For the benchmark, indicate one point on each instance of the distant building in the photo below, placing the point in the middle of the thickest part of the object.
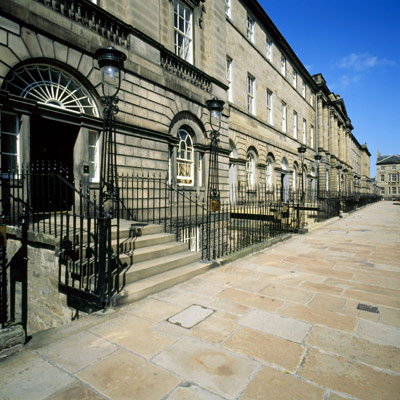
(388, 175)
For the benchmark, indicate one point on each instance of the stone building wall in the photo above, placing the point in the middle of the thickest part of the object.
(47, 308)
(253, 131)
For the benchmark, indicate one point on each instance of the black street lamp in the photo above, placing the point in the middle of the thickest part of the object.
(318, 158)
(345, 181)
(302, 149)
(215, 107)
(339, 167)
(111, 62)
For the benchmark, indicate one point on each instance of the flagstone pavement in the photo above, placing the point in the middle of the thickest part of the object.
(284, 324)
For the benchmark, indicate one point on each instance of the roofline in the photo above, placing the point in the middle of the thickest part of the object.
(263, 17)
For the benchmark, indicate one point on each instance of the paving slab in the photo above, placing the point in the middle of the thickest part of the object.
(287, 328)
(27, 376)
(134, 334)
(267, 348)
(350, 377)
(215, 369)
(76, 391)
(124, 375)
(68, 354)
(379, 333)
(354, 348)
(272, 384)
(192, 392)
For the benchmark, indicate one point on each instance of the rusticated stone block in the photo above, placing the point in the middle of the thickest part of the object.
(11, 340)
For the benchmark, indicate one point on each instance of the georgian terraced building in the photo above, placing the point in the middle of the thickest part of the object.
(180, 53)
(388, 175)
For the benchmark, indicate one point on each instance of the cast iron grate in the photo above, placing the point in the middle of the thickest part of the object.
(366, 307)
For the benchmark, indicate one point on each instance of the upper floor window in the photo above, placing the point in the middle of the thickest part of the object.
(393, 177)
(10, 126)
(269, 107)
(269, 50)
(251, 83)
(228, 8)
(303, 89)
(295, 124)
(382, 190)
(312, 136)
(183, 31)
(294, 78)
(283, 65)
(393, 166)
(312, 98)
(229, 65)
(304, 131)
(250, 28)
(94, 156)
(185, 159)
(382, 167)
(284, 114)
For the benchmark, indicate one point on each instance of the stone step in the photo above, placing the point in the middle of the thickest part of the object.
(125, 231)
(152, 267)
(146, 241)
(126, 228)
(152, 252)
(145, 287)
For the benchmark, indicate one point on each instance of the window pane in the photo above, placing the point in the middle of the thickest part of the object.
(9, 123)
(8, 162)
(9, 143)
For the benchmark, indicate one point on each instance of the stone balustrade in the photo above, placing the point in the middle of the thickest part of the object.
(93, 17)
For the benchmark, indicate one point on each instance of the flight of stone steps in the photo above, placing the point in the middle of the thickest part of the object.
(155, 261)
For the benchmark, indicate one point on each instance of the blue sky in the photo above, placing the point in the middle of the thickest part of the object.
(355, 45)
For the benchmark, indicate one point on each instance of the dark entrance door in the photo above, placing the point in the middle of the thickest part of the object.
(52, 146)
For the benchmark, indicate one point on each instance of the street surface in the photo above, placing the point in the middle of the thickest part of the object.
(282, 323)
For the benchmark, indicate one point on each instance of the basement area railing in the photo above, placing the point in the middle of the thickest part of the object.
(90, 270)
(90, 267)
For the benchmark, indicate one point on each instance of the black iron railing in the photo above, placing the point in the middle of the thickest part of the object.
(89, 242)
(90, 268)
(14, 278)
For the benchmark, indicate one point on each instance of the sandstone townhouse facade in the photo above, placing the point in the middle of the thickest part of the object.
(388, 175)
(180, 53)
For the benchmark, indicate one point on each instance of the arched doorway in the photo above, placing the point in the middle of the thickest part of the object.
(50, 131)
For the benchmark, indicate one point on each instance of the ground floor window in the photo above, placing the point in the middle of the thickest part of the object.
(10, 127)
(94, 156)
(251, 169)
(185, 159)
(192, 236)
